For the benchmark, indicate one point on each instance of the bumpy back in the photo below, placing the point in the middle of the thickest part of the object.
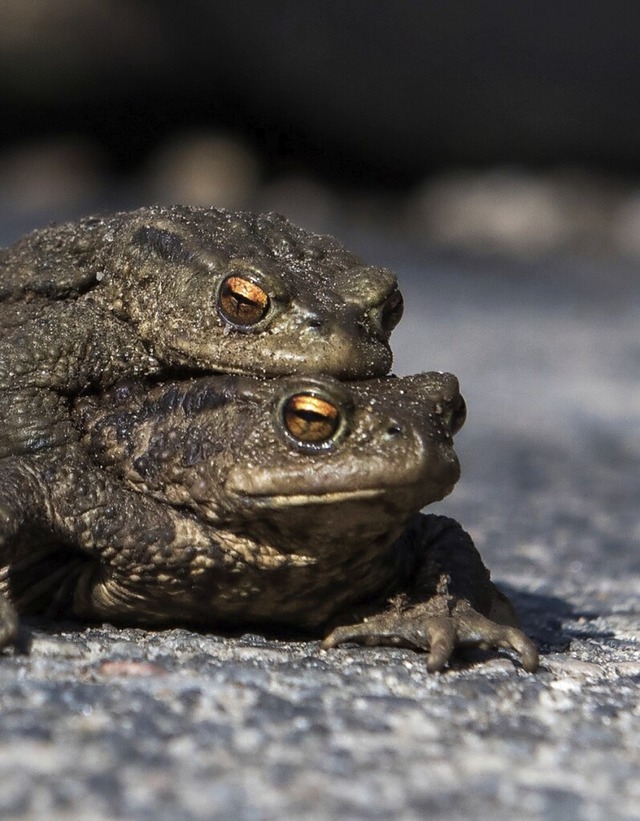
(54, 262)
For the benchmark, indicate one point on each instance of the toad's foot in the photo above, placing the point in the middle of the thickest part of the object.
(438, 626)
(8, 623)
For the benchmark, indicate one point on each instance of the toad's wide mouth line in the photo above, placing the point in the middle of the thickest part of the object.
(283, 500)
(300, 499)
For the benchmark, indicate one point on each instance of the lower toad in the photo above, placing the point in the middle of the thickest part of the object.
(287, 502)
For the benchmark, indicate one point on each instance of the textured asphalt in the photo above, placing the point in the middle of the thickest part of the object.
(99, 722)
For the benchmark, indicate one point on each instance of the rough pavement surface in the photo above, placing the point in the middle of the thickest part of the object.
(99, 722)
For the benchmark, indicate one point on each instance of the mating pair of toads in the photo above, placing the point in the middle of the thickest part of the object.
(198, 428)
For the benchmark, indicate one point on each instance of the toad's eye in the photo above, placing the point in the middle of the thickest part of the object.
(310, 419)
(242, 302)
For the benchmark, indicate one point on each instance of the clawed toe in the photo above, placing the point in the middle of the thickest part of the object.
(342, 635)
(516, 640)
(477, 630)
(441, 647)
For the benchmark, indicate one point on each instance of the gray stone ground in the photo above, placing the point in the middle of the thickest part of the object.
(98, 722)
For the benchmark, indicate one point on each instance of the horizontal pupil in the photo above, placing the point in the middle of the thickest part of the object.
(241, 299)
(312, 417)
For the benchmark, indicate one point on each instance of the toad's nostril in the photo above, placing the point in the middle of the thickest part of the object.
(392, 311)
(385, 316)
(459, 416)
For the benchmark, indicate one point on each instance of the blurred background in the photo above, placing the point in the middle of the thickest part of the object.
(502, 127)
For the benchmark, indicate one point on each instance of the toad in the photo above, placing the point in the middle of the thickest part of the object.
(290, 502)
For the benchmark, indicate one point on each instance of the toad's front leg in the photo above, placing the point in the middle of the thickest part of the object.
(448, 603)
(8, 623)
(73, 540)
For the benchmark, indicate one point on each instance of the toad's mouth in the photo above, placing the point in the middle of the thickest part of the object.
(350, 360)
(302, 499)
(289, 500)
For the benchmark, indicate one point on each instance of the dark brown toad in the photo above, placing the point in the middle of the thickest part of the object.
(290, 502)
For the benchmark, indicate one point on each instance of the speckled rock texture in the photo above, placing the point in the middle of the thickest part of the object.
(99, 722)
